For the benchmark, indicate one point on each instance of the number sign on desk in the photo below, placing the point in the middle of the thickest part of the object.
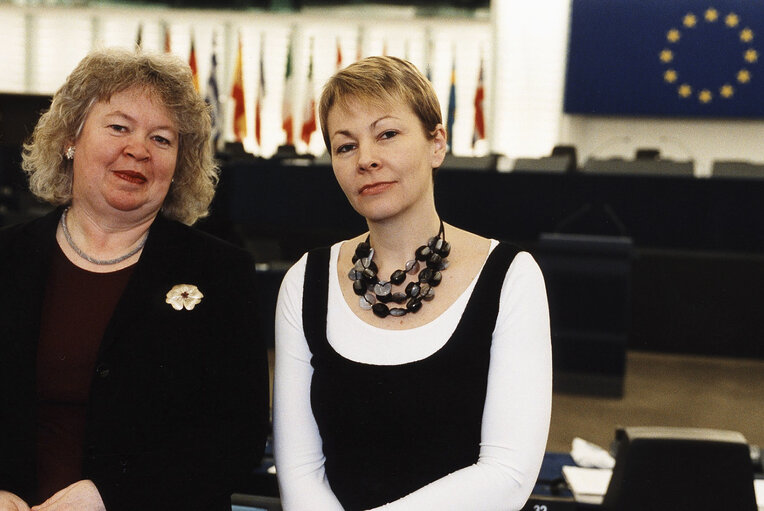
(549, 504)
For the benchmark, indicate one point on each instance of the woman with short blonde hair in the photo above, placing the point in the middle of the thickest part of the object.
(413, 362)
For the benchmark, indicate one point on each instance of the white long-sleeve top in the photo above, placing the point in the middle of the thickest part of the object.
(515, 416)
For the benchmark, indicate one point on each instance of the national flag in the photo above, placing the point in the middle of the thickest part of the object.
(213, 97)
(139, 36)
(309, 115)
(166, 32)
(260, 93)
(428, 64)
(287, 118)
(192, 64)
(479, 133)
(657, 58)
(451, 105)
(237, 95)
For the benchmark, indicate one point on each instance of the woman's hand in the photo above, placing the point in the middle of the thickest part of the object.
(80, 496)
(11, 502)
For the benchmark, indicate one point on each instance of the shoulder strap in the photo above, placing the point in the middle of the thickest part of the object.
(315, 294)
(486, 296)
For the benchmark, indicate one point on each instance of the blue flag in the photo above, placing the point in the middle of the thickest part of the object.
(451, 114)
(213, 98)
(666, 58)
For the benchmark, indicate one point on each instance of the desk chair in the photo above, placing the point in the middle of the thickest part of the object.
(640, 167)
(484, 163)
(558, 164)
(737, 169)
(647, 153)
(588, 282)
(562, 159)
(680, 469)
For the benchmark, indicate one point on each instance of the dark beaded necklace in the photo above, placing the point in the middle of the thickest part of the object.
(375, 294)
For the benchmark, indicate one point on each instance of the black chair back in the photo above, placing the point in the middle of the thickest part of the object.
(680, 469)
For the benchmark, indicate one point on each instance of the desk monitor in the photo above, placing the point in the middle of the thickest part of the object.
(680, 469)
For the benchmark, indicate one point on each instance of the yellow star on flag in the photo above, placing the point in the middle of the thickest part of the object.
(685, 90)
(673, 35)
(705, 96)
(751, 55)
(731, 20)
(743, 76)
(670, 76)
(746, 35)
(667, 56)
(690, 20)
(711, 15)
(727, 91)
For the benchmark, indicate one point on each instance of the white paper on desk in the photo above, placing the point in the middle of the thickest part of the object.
(587, 484)
(758, 487)
(587, 454)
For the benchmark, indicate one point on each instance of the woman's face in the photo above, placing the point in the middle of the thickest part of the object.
(125, 156)
(382, 157)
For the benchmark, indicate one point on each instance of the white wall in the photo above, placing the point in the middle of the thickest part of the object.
(531, 46)
(41, 45)
(529, 58)
(524, 42)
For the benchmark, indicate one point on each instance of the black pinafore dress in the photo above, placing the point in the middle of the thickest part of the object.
(388, 430)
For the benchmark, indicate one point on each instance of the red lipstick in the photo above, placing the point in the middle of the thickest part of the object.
(131, 176)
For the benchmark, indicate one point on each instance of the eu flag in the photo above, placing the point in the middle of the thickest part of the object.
(666, 58)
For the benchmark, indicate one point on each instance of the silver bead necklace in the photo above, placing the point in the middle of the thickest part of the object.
(100, 262)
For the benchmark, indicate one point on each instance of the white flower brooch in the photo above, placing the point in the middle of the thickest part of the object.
(184, 296)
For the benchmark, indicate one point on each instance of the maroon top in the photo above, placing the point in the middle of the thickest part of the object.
(77, 307)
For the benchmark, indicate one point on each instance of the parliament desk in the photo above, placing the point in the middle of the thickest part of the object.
(682, 213)
(693, 274)
(697, 273)
(549, 494)
(697, 276)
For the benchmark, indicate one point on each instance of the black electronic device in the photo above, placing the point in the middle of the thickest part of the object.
(681, 469)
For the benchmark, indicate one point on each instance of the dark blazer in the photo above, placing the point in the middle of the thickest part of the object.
(178, 410)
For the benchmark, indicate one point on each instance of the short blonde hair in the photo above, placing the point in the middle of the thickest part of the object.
(381, 80)
(97, 77)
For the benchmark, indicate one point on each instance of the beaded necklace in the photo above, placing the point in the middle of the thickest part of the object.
(375, 294)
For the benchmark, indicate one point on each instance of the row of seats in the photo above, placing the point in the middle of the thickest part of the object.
(647, 161)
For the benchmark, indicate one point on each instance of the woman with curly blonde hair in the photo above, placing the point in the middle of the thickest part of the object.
(129, 363)
(97, 78)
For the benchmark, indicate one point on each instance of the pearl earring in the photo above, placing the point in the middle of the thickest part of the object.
(70, 152)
